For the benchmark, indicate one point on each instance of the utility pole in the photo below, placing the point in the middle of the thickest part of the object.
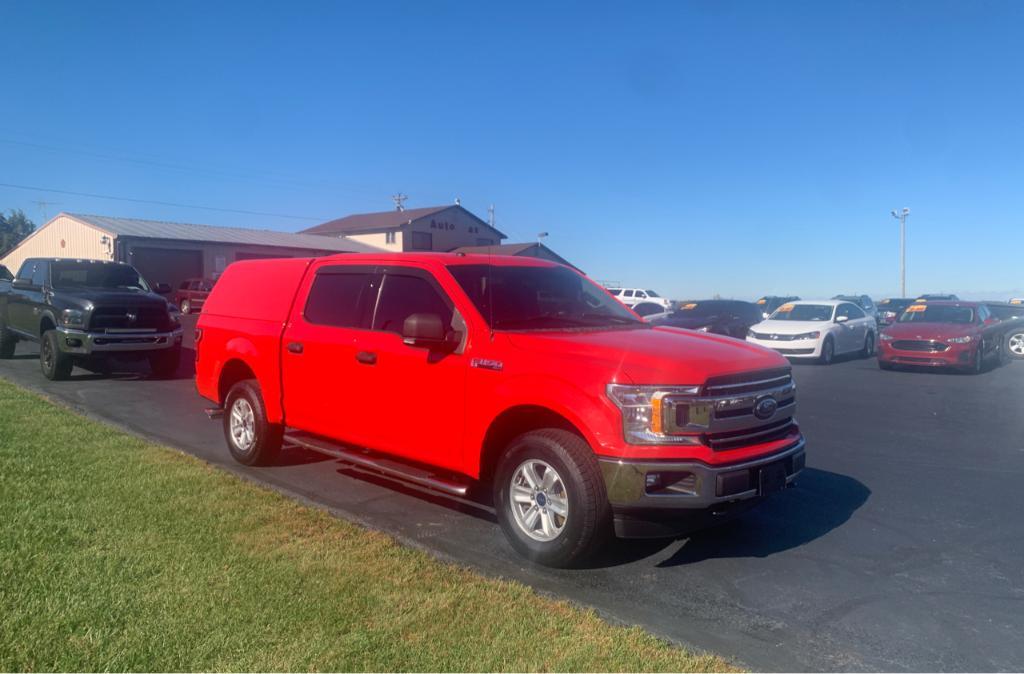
(490, 215)
(541, 236)
(398, 199)
(43, 207)
(902, 217)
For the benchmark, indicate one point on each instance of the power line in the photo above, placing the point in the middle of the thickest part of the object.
(163, 203)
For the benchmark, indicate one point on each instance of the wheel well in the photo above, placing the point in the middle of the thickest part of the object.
(233, 372)
(46, 324)
(512, 423)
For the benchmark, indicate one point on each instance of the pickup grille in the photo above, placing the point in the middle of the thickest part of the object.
(926, 345)
(750, 436)
(746, 382)
(121, 318)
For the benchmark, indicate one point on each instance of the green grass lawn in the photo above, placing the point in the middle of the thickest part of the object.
(117, 554)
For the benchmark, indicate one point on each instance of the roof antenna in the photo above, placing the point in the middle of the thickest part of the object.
(398, 199)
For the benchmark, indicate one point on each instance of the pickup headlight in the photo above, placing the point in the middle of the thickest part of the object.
(646, 411)
(72, 318)
(960, 340)
(175, 315)
(808, 335)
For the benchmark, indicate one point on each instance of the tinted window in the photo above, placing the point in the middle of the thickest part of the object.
(403, 296)
(70, 275)
(336, 299)
(540, 298)
(422, 241)
(651, 293)
(39, 274)
(851, 311)
(627, 293)
(5, 274)
(1006, 313)
(25, 273)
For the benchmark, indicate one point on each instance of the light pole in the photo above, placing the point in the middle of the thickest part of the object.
(902, 217)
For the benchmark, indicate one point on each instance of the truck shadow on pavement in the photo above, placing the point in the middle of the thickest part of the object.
(821, 502)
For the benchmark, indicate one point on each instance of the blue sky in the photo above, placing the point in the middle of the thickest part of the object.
(699, 147)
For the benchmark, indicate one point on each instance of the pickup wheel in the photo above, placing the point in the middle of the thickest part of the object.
(550, 497)
(252, 439)
(1014, 345)
(164, 364)
(55, 364)
(7, 342)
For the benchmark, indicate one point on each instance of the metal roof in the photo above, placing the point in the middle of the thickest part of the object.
(178, 231)
(375, 222)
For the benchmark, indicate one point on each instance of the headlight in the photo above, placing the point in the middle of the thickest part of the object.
(648, 411)
(750, 333)
(174, 313)
(885, 338)
(808, 335)
(960, 340)
(72, 318)
(704, 329)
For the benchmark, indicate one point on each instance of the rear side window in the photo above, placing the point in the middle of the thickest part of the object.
(403, 296)
(39, 274)
(336, 299)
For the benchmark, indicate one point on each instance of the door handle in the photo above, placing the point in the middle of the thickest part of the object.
(294, 347)
(367, 358)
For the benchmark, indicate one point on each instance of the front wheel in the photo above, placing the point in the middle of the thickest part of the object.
(828, 352)
(550, 498)
(1015, 344)
(252, 440)
(55, 364)
(869, 345)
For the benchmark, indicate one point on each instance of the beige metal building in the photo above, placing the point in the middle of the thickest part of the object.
(168, 252)
(435, 228)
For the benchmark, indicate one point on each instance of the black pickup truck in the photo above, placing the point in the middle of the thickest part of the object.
(88, 309)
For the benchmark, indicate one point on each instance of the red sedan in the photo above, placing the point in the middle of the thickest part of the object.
(942, 334)
(192, 293)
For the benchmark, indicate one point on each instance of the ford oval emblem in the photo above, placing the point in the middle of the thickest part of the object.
(765, 407)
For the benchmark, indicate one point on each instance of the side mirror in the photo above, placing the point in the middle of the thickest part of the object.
(162, 288)
(22, 284)
(425, 330)
(842, 319)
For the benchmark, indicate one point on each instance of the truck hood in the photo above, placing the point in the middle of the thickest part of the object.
(791, 327)
(661, 355)
(99, 297)
(936, 331)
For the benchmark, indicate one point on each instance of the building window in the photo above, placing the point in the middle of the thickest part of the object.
(485, 242)
(390, 237)
(422, 241)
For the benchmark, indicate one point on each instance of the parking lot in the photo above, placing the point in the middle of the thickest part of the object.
(902, 546)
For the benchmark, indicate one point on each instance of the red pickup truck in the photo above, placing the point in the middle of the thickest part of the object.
(456, 372)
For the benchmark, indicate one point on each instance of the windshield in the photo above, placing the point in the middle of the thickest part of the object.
(895, 305)
(803, 312)
(4, 274)
(651, 293)
(1004, 313)
(700, 309)
(540, 298)
(71, 275)
(932, 313)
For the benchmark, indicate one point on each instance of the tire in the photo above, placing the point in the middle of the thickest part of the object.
(544, 536)
(252, 440)
(7, 343)
(55, 364)
(186, 307)
(1014, 344)
(978, 365)
(885, 365)
(869, 345)
(828, 352)
(164, 364)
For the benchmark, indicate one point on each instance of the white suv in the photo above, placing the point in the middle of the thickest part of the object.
(634, 296)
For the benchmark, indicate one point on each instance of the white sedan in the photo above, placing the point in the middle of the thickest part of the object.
(819, 329)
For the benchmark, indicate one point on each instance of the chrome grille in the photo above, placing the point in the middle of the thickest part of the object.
(926, 345)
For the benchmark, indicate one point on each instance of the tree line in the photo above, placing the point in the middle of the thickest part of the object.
(14, 226)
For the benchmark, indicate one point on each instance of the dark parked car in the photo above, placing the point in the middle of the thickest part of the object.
(925, 298)
(5, 274)
(192, 293)
(862, 301)
(890, 309)
(1012, 317)
(732, 318)
(87, 309)
(769, 303)
(648, 309)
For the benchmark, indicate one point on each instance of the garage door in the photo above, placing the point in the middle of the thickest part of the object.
(166, 265)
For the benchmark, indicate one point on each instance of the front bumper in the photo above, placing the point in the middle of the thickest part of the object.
(957, 355)
(81, 343)
(700, 493)
(797, 348)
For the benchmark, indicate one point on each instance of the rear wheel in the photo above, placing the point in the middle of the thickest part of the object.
(7, 342)
(252, 440)
(550, 498)
(55, 364)
(1015, 344)
(828, 352)
(869, 345)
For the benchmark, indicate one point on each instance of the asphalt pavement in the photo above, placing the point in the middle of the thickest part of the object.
(901, 548)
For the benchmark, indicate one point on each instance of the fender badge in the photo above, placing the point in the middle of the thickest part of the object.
(486, 364)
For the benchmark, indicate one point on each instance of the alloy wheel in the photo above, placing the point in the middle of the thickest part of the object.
(1016, 344)
(539, 501)
(243, 425)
